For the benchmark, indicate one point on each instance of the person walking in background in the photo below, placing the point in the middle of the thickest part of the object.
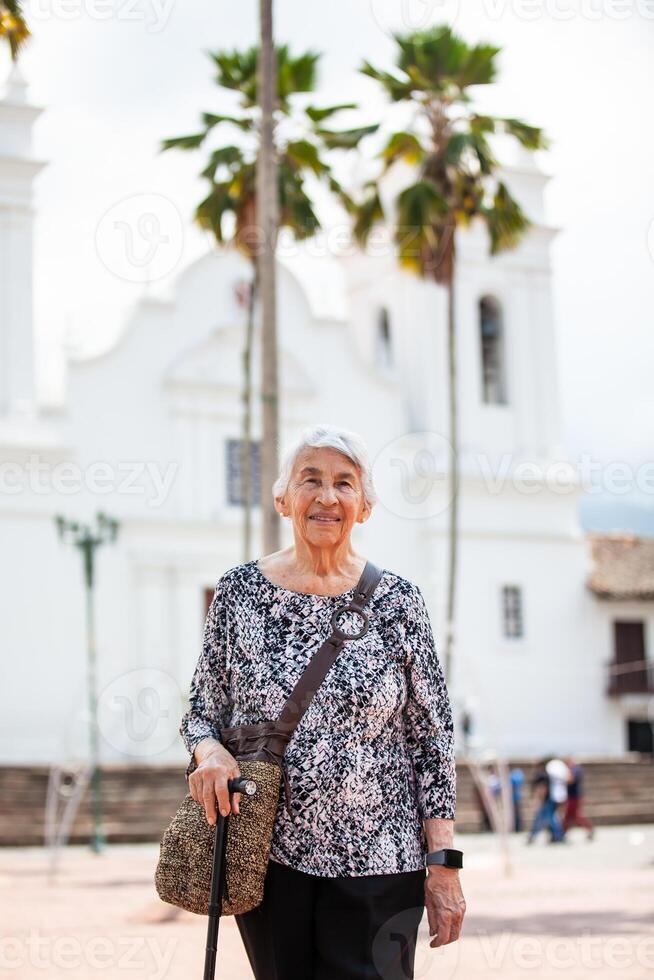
(574, 815)
(546, 813)
(517, 778)
(559, 776)
(494, 784)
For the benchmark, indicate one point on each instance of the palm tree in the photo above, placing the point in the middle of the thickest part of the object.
(455, 182)
(13, 26)
(231, 173)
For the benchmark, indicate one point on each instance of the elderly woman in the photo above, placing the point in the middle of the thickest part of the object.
(371, 762)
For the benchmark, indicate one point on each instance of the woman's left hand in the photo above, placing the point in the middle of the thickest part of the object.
(445, 905)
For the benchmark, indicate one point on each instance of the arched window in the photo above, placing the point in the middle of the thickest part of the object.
(384, 343)
(492, 351)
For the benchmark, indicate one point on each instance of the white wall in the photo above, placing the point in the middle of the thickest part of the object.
(167, 396)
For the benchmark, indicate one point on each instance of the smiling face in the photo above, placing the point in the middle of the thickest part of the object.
(324, 498)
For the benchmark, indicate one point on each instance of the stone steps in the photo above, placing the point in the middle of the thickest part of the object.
(138, 801)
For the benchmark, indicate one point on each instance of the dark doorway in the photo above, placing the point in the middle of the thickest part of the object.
(639, 736)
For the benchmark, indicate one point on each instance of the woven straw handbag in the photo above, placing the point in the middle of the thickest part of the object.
(184, 868)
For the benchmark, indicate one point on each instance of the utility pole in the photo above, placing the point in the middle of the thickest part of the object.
(268, 219)
(88, 540)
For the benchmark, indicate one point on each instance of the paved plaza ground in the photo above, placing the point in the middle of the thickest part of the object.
(581, 909)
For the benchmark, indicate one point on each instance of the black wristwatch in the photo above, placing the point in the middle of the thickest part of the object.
(448, 857)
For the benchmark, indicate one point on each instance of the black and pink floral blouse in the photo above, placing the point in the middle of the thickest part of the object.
(374, 752)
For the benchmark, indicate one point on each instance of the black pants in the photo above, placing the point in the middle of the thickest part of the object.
(315, 928)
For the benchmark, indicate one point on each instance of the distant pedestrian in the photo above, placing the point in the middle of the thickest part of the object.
(574, 815)
(559, 775)
(546, 813)
(517, 778)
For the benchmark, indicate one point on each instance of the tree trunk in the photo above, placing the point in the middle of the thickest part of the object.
(246, 438)
(453, 479)
(267, 212)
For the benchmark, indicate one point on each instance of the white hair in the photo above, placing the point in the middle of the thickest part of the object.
(331, 437)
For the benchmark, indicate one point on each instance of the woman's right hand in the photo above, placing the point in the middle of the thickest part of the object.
(209, 781)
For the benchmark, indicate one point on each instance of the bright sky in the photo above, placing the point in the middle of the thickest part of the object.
(117, 76)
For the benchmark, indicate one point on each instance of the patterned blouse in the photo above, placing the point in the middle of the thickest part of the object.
(373, 753)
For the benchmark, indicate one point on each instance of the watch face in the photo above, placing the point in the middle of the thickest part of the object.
(448, 857)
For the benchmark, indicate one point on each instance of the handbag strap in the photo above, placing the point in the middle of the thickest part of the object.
(316, 670)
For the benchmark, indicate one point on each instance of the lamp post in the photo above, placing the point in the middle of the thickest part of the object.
(88, 540)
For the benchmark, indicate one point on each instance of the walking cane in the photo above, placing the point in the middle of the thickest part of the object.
(238, 785)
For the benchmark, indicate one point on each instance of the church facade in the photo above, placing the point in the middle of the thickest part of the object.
(148, 433)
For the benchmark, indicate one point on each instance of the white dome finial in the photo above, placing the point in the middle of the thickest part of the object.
(16, 85)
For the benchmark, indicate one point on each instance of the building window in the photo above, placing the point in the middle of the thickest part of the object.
(629, 672)
(492, 351)
(235, 486)
(384, 343)
(512, 611)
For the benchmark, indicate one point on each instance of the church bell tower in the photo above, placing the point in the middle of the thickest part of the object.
(18, 170)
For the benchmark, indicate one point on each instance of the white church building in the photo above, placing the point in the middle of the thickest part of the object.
(148, 433)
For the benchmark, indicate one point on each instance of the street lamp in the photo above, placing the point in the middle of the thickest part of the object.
(88, 540)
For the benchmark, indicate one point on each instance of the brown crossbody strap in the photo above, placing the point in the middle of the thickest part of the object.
(316, 670)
